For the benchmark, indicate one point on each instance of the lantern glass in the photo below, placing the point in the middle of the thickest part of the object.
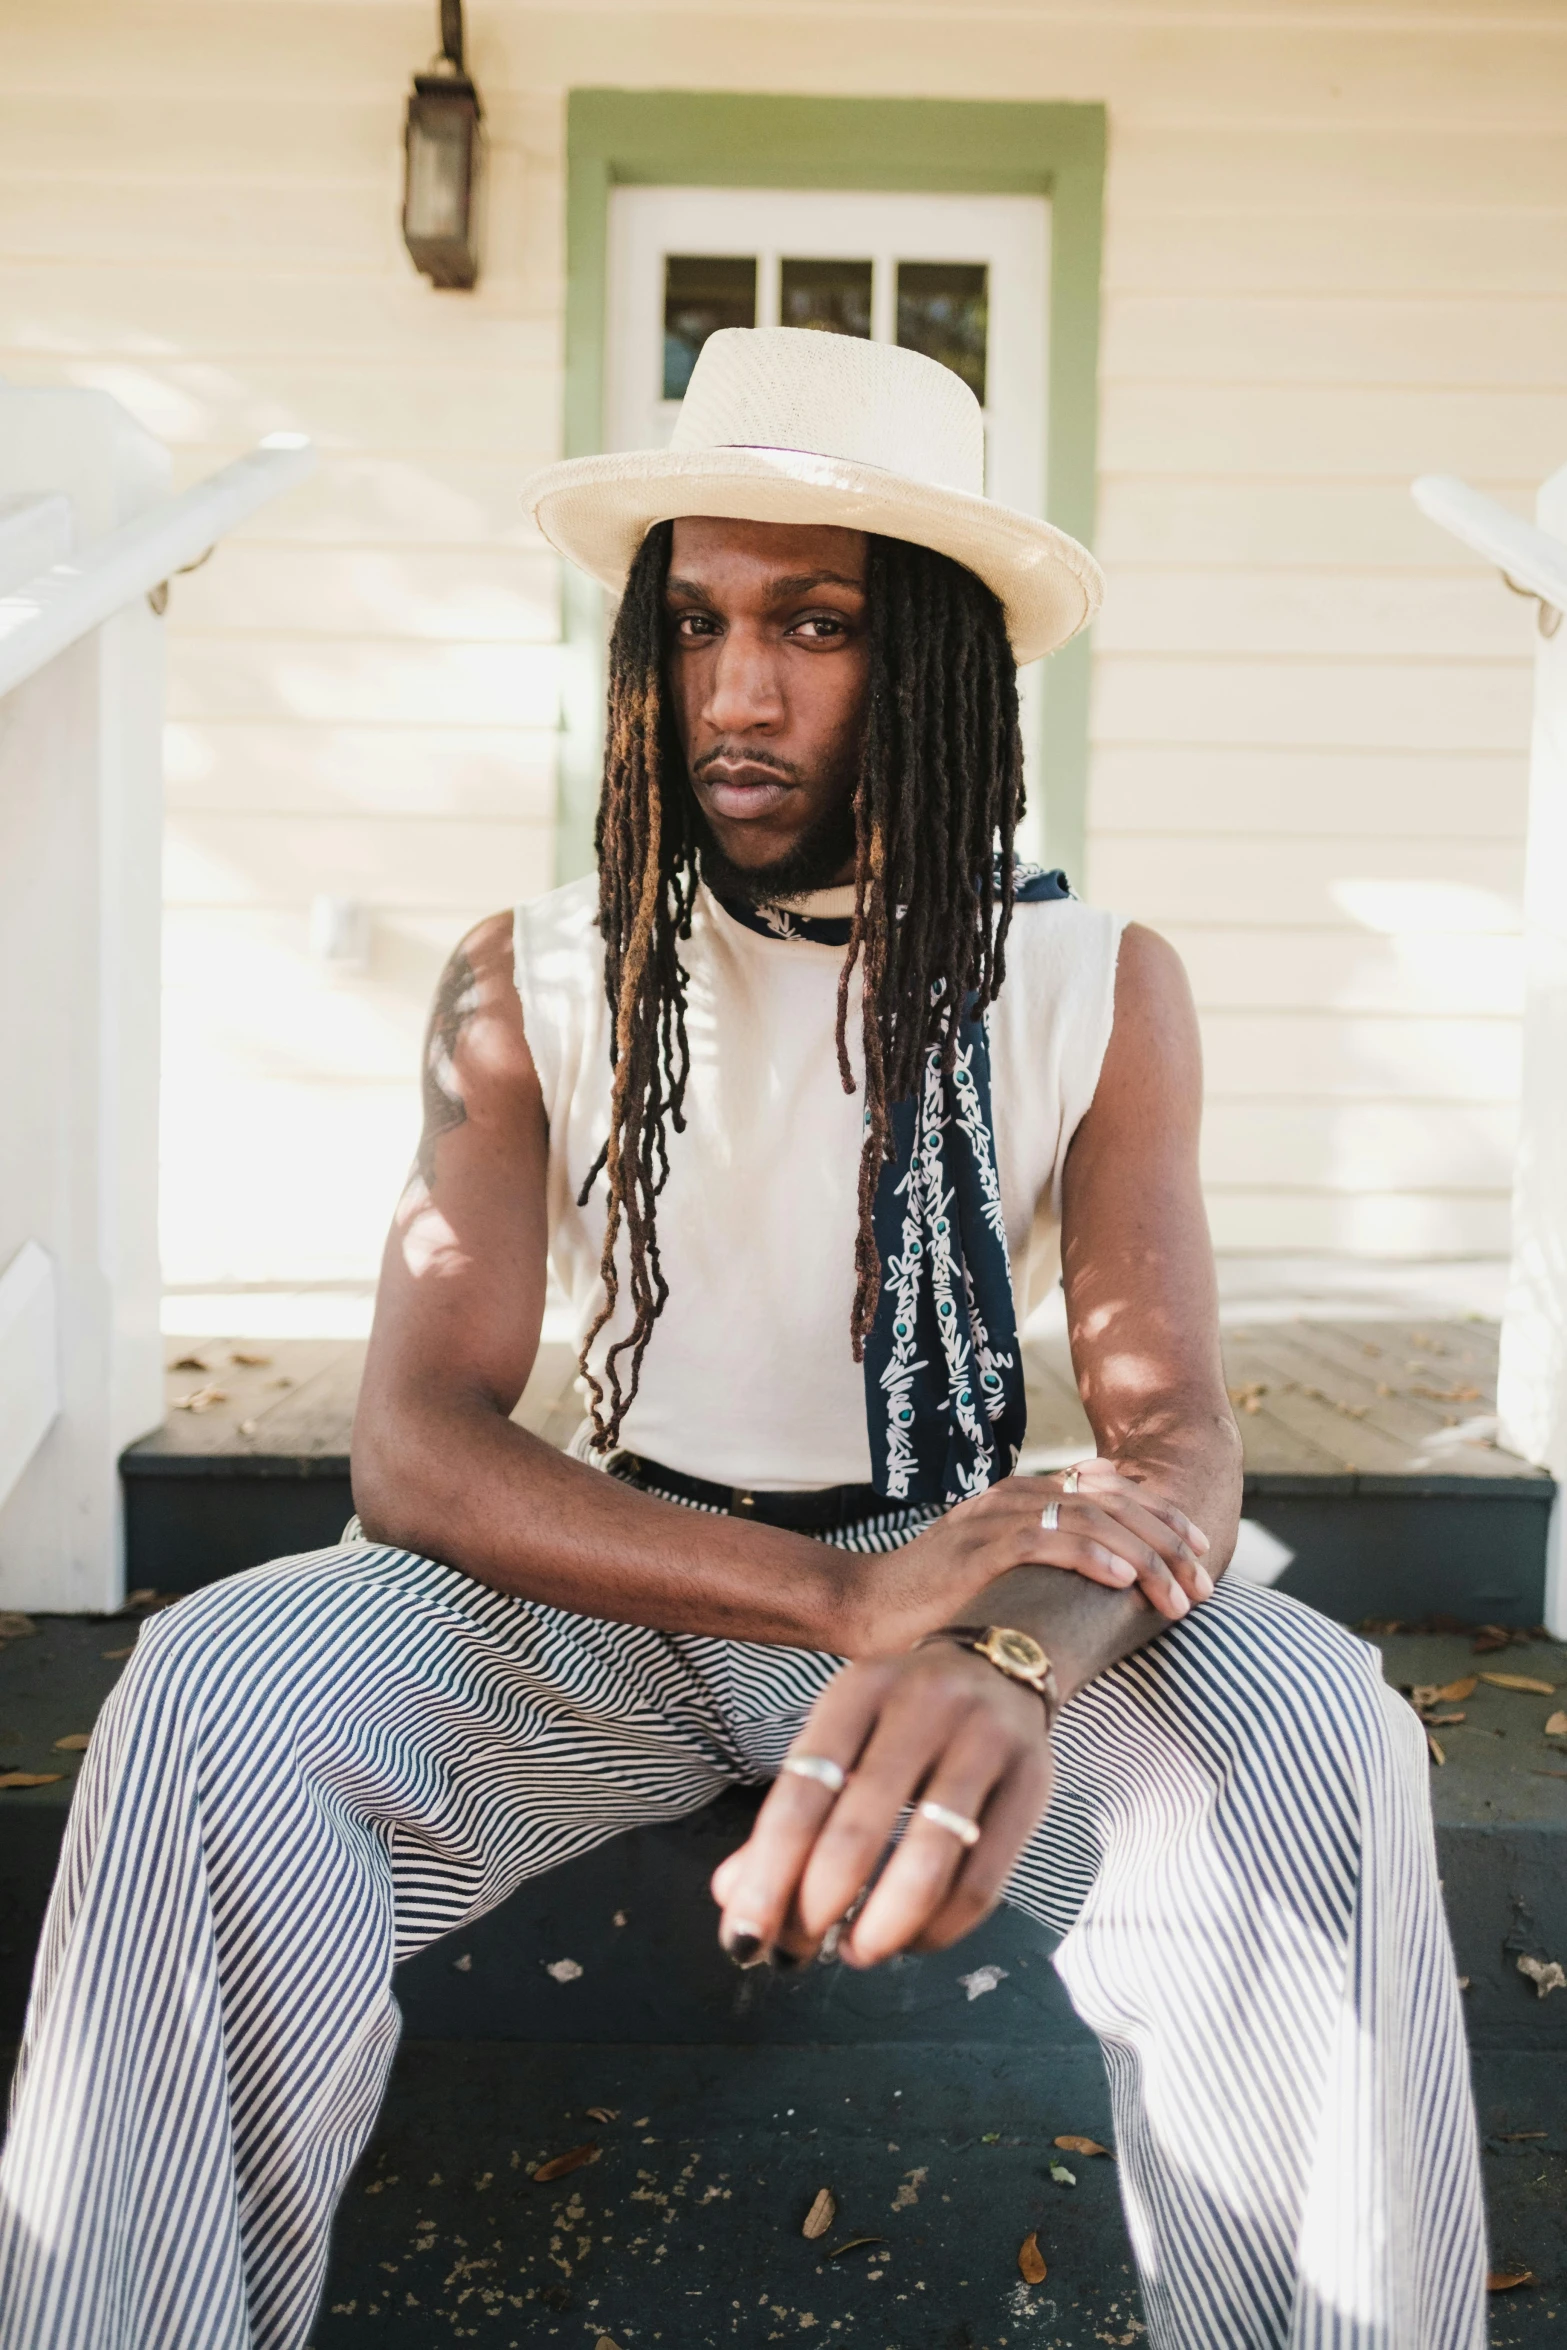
(442, 172)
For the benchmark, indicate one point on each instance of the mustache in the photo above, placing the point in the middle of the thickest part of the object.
(740, 756)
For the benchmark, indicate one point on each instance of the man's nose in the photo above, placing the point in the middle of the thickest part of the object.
(744, 690)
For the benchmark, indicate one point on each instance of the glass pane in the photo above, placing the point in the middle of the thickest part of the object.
(702, 292)
(943, 310)
(832, 295)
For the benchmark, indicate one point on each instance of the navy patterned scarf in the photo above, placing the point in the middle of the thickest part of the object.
(943, 1367)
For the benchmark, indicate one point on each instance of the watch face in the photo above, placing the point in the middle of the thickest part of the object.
(1020, 1651)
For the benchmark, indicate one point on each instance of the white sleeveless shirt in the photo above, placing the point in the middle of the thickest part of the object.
(749, 1378)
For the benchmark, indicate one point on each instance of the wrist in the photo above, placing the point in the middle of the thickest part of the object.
(1014, 1654)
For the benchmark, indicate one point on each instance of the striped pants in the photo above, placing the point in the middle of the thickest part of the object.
(308, 1772)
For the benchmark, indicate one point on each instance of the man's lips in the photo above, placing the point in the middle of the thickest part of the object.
(742, 790)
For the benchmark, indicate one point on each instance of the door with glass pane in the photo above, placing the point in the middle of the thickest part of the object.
(962, 278)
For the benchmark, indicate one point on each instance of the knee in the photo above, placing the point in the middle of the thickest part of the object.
(1314, 1708)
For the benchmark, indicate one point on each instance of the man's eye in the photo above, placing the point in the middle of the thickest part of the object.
(821, 625)
(693, 624)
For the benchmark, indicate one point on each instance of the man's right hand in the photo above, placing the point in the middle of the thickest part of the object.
(1112, 1528)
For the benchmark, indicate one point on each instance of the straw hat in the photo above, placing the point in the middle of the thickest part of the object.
(782, 424)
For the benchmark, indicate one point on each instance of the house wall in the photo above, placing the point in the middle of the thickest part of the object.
(1335, 259)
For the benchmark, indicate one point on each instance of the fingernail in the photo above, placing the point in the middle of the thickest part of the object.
(742, 1943)
(1204, 1582)
(786, 1961)
(1179, 1602)
(1200, 1539)
(1124, 1571)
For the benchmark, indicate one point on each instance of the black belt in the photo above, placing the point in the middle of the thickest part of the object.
(816, 1511)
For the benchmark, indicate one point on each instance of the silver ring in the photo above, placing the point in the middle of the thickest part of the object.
(819, 1767)
(966, 1831)
(1050, 1516)
(1071, 1479)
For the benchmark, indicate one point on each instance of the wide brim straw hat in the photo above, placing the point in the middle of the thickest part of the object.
(783, 424)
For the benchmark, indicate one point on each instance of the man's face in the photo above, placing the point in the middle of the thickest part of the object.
(767, 663)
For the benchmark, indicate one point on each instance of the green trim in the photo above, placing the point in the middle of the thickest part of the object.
(925, 145)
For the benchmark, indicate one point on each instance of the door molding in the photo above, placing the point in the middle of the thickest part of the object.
(921, 145)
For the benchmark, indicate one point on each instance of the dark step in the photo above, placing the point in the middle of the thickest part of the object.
(686, 2230)
(1500, 1803)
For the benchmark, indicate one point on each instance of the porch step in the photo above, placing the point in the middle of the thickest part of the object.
(686, 2228)
(635, 1916)
(1372, 1468)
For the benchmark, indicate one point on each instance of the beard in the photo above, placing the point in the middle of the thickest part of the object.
(814, 862)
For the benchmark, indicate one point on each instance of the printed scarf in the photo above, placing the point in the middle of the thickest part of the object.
(943, 1368)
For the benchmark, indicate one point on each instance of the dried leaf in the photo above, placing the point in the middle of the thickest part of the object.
(1081, 2146)
(16, 1627)
(1454, 1692)
(1510, 2137)
(1556, 1727)
(463, 1965)
(247, 1356)
(564, 1970)
(1488, 1637)
(1521, 1681)
(852, 2244)
(1437, 1756)
(29, 1778)
(603, 2113)
(76, 1743)
(1504, 2280)
(117, 1656)
(190, 1362)
(1545, 1974)
(1031, 2261)
(983, 1979)
(576, 2158)
(605, 2342)
(820, 2216)
(248, 1427)
(1447, 1721)
(1062, 2176)
(200, 1399)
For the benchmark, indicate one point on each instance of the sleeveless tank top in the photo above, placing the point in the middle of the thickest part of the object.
(749, 1378)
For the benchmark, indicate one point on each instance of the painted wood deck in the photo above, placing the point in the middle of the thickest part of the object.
(1356, 1400)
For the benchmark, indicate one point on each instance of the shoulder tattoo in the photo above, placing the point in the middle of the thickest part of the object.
(456, 1002)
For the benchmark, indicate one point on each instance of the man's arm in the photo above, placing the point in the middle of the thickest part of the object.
(942, 1723)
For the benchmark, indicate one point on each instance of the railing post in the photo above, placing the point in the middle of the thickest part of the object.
(1532, 1390)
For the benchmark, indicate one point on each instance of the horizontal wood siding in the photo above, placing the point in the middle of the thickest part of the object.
(1336, 257)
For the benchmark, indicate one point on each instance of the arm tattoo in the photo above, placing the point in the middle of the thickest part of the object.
(456, 1002)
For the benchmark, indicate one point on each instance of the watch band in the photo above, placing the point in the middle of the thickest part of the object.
(1016, 1654)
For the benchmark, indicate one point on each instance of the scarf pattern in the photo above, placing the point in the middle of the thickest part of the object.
(944, 1397)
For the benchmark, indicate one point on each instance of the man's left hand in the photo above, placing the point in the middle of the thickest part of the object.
(939, 1725)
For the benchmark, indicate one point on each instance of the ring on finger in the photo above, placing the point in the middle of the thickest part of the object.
(1071, 1480)
(967, 1831)
(819, 1767)
(1050, 1516)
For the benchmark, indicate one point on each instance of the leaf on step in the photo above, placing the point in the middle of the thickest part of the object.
(1447, 1721)
(1488, 1637)
(1530, 1688)
(29, 1778)
(1437, 1756)
(201, 1399)
(248, 1357)
(14, 1626)
(1545, 1974)
(1062, 2176)
(117, 1656)
(852, 2244)
(1556, 1727)
(1031, 2261)
(76, 1743)
(1071, 2145)
(564, 1970)
(820, 2216)
(605, 2342)
(575, 2158)
(1454, 1692)
(603, 2113)
(1504, 2280)
(191, 1362)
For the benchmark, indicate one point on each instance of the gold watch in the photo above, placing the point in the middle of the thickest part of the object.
(1017, 1654)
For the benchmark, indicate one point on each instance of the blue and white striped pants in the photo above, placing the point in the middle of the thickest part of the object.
(309, 1771)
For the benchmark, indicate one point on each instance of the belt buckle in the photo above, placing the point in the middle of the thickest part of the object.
(741, 1503)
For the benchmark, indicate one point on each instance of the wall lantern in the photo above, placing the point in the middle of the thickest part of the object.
(441, 170)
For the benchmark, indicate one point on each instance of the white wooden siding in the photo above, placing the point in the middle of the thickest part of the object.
(1335, 258)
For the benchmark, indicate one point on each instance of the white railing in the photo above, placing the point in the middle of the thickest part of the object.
(1527, 557)
(46, 614)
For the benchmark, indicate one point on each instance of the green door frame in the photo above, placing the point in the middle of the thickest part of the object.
(678, 138)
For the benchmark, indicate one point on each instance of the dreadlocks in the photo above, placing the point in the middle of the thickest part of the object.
(936, 805)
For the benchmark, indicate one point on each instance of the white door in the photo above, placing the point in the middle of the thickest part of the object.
(963, 278)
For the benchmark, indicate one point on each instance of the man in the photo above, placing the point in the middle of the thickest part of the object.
(800, 1096)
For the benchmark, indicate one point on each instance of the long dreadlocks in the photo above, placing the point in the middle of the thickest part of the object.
(936, 805)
